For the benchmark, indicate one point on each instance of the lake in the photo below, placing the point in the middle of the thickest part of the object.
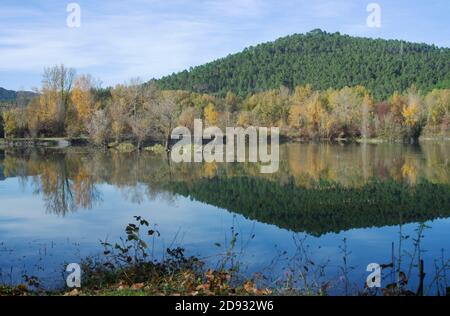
(329, 212)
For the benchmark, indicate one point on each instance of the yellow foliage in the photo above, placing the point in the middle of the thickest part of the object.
(314, 110)
(397, 106)
(302, 94)
(438, 105)
(14, 121)
(409, 170)
(295, 114)
(211, 114)
(411, 114)
(82, 102)
(244, 119)
(9, 122)
(210, 169)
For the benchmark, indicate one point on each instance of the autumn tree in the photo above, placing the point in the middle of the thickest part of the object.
(82, 105)
(367, 106)
(412, 114)
(34, 122)
(397, 104)
(98, 127)
(119, 110)
(187, 117)
(2, 125)
(298, 101)
(55, 96)
(14, 122)
(271, 107)
(145, 97)
(165, 114)
(314, 113)
(231, 106)
(211, 114)
(437, 105)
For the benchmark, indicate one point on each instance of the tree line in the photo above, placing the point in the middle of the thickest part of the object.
(68, 105)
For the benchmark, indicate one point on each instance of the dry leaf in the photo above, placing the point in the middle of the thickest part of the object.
(137, 286)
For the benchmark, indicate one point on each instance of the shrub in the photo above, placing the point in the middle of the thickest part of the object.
(156, 149)
(126, 147)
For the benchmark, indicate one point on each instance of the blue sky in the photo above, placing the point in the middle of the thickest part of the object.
(120, 40)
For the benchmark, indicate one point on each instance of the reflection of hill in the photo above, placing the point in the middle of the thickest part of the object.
(326, 208)
(412, 185)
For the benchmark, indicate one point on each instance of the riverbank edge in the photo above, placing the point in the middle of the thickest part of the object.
(63, 142)
(50, 142)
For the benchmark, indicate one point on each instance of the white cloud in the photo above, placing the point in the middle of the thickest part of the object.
(329, 9)
(237, 8)
(151, 38)
(143, 45)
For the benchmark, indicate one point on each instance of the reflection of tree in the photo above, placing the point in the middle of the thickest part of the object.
(86, 194)
(56, 188)
(60, 178)
(354, 165)
(68, 181)
(409, 170)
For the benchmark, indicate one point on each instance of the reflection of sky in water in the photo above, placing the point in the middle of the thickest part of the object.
(38, 242)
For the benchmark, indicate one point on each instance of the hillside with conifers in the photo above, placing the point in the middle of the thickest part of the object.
(323, 60)
(317, 86)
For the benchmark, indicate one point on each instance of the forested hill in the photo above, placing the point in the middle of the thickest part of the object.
(323, 60)
(7, 95)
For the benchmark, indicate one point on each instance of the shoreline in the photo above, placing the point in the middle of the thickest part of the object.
(65, 142)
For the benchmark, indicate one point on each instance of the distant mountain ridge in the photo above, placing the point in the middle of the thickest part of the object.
(7, 95)
(323, 60)
(12, 96)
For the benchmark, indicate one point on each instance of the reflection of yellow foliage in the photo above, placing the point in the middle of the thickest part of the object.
(310, 163)
(409, 170)
(82, 186)
(210, 169)
(10, 166)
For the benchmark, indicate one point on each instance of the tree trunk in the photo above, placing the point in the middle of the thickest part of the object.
(167, 142)
(139, 145)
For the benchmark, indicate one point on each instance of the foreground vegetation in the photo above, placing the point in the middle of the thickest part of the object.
(129, 268)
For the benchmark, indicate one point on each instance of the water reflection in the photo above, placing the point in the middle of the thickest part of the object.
(319, 189)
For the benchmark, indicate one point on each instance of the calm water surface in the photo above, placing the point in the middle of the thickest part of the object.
(367, 203)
